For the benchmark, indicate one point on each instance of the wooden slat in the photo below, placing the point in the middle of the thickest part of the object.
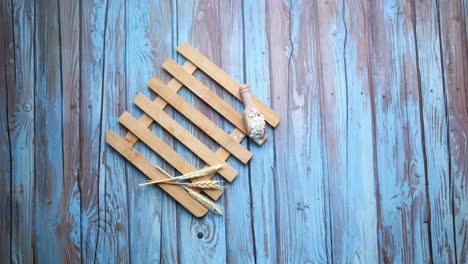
(113, 199)
(455, 186)
(54, 187)
(435, 127)
(175, 86)
(347, 147)
(257, 74)
(155, 82)
(237, 205)
(204, 93)
(222, 154)
(398, 136)
(223, 79)
(91, 82)
(145, 166)
(7, 84)
(205, 124)
(147, 23)
(164, 150)
(155, 143)
(22, 131)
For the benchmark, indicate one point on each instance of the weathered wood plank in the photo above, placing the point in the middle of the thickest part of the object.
(435, 129)
(21, 127)
(402, 229)
(301, 224)
(182, 135)
(199, 240)
(7, 85)
(332, 34)
(113, 238)
(262, 177)
(152, 213)
(360, 230)
(93, 22)
(455, 67)
(57, 226)
(70, 202)
(239, 235)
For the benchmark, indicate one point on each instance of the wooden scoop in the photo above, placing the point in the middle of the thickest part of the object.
(249, 106)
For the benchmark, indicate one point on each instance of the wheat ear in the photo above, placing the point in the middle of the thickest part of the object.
(191, 175)
(199, 185)
(208, 203)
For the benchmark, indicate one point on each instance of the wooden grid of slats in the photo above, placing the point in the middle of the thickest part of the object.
(153, 112)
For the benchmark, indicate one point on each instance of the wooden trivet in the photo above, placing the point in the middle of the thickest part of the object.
(153, 112)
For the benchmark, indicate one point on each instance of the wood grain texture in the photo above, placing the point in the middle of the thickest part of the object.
(183, 136)
(332, 35)
(200, 240)
(238, 195)
(435, 129)
(21, 113)
(7, 81)
(204, 93)
(402, 228)
(360, 229)
(149, 41)
(113, 243)
(57, 223)
(70, 200)
(143, 164)
(302, 213)
(368, 163)
(203, 122)
(455, 67)
(262, 177)
(223, 79)
(93, 26)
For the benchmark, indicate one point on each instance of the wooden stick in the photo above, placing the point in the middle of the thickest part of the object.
(185, 137)
(173, 85)
(204, 93)
(201, 121)
(167, 153)
(223, 79)
(148, 168)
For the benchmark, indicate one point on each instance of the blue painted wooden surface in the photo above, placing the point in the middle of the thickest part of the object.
(369, 163)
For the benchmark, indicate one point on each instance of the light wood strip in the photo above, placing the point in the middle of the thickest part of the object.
(155, 143)
(223, 79)
(184, 136)
(145, 166)
(222, 154)
(205, 124)
(204, 93)
(155, 82)
(173, 85)
(165, 151)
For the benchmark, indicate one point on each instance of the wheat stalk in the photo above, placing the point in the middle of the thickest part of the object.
(191, 175)
(208, 203)
(199, 184)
